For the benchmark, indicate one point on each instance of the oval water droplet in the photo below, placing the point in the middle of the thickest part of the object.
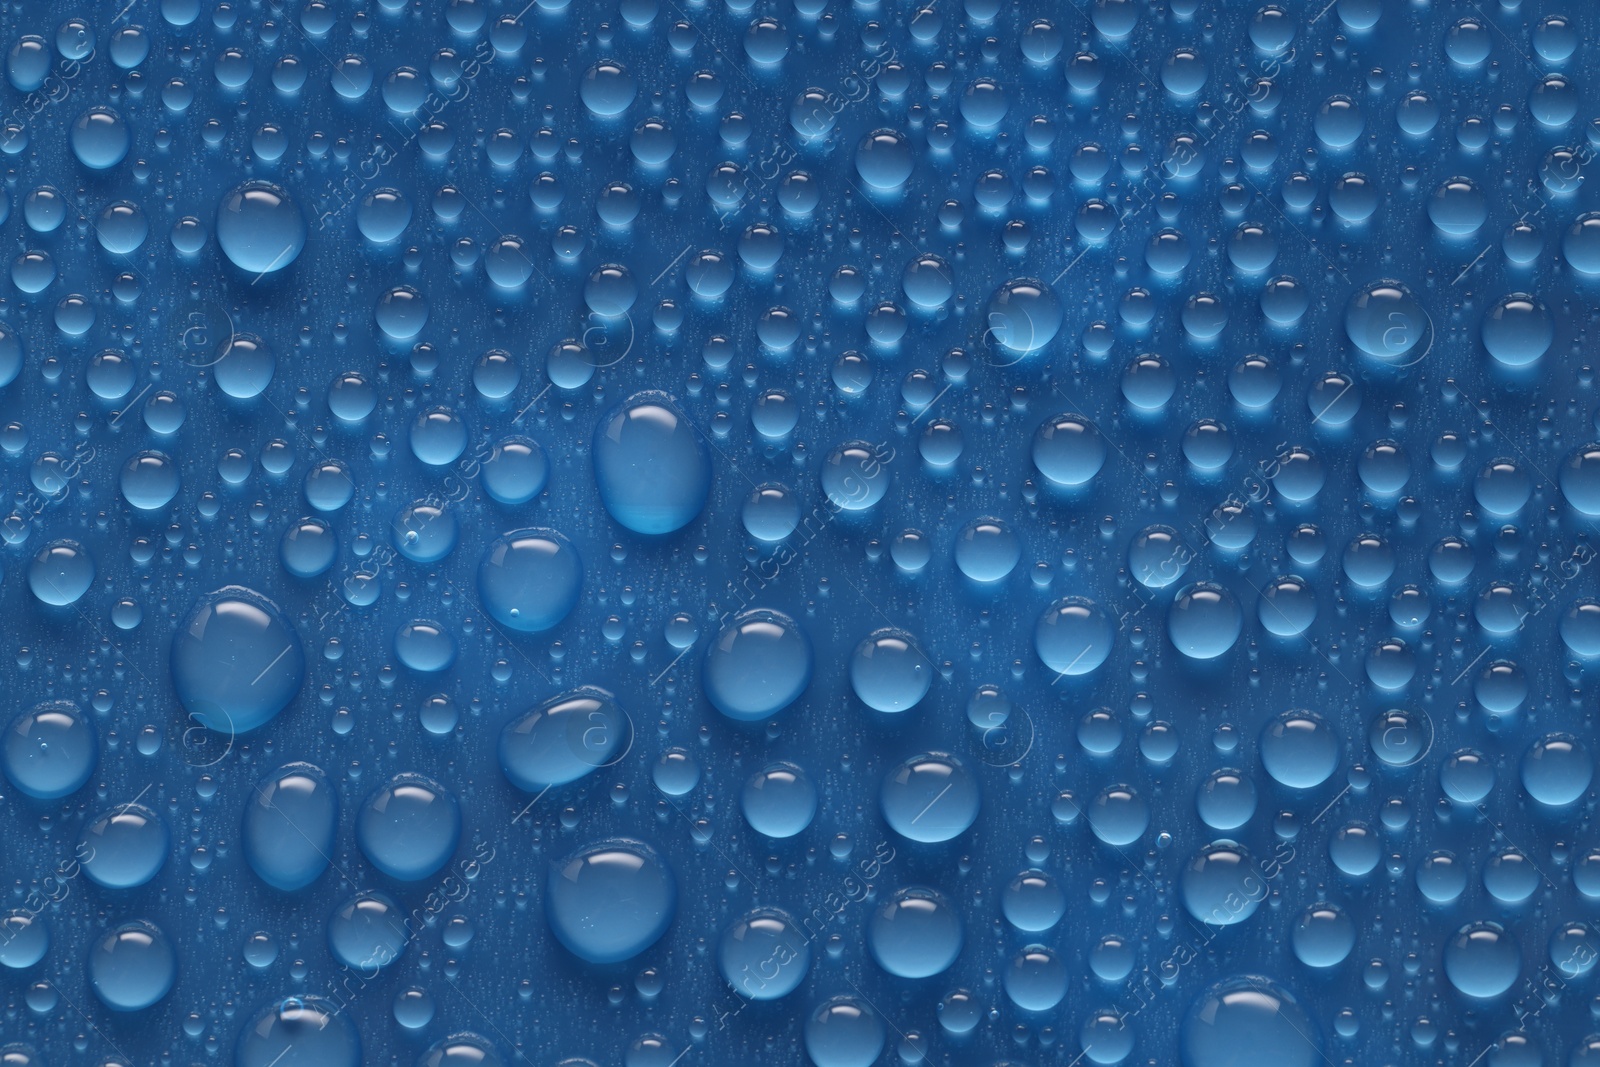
(236, 661)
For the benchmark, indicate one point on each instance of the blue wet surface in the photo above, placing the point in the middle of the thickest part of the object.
(828, 533)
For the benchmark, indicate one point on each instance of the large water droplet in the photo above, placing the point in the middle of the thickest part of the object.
(764, 955)
(611, 901)
(651, 467)
(1222, 885)
(930, 798)
(261, 230)
(844, 1032)
(308, 1031)
(759, 664)
(1073, 636)
(1204, 621)
(124, 847)
(289, 826)
(50, 751)
(889, 671)
(1299, 749)
(367, 932)
(1249, 1019)
(1024, 316)
(779, 801)
(132, 967)
(564, 739)
(529, 580)
(409, 827)
(60, 573)
(1482, 961)
(236, 662)
(916, 933)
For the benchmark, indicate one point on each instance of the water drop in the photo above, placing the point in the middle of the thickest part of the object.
(409, 827)
(260, 228)
(610, 901)
(236, 662)
(289, 826)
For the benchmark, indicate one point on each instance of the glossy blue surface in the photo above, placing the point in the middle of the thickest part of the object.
(816, 532)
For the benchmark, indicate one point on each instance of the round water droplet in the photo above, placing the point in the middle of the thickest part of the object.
(132, 967)
(1458, 207)
(1248, 1019)
(425, 645)
(1557, 770)
(1068, 450)
(24, 939)
(1033, 901)
(516, 470)
(1580, 628)
(383, 215)
(409, 827)
(260, 228)
(675, 773)
(1226, 800)
(367, 932)
(1221, 885)
(1287, 606)
(916, 933)
(844, 1032)
(1024, 315)
(1036, 979)
(1580, 480)
(610, 901)
(1481, 960)
(1204, 621)
(124, 847)
(764, 955)
(856, 476)
(771, 512)
(1574, 948)
(607, 89)
(236, 662)
(930, 798)
(100, 138)
(987, 550)
(244, 366)
(889, 671)
(1580, 245)
(149, 480)
(401, 313)
(1517, 330)
(424, 532)
(779, 801)
(1299, 749)
(1338, 122)
(530, 580)
(50, 751)
(759, 664)
(300, 1032)
(60, 573)
(1467, 777)
(1385, 320)
(885, 159)
(1441, 878)
(1119, 816)
(1073, 636)
(465, 1049)
(1323, 935)
(1399, 737)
